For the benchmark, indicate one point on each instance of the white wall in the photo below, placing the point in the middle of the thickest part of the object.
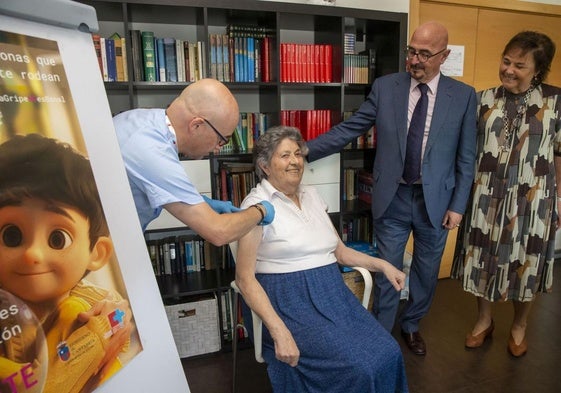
(379, 5)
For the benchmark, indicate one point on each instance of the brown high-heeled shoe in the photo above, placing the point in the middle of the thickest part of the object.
(477, 340)
(517, 350)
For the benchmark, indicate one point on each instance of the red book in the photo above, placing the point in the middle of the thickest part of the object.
(97, 46)
(283, 55)
(328, 64)
(291, 63)
(296, 63)
(316, 73)
(321, 64)
(310, 63)
(365, 186)
(263, 60)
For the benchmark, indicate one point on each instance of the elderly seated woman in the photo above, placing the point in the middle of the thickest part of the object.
(317, 335)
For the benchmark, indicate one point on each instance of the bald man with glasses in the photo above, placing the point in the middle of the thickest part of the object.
(199, 121)
(423, 170)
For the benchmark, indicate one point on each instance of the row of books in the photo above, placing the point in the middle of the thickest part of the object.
(235, 181)
(355, 69)
(112, 57)
(174, 60)
(357, 184)
(364, 186)
(240, 58)
(310, 122)
(365, 141)
(306, 63)
(179, 254)
(357, 229)
(166, 59)
(250, 126)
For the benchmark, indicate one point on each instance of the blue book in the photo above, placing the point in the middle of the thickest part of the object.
(111, 60)
(189, 262)
(160, 60)
(250, 56)
(170, 59)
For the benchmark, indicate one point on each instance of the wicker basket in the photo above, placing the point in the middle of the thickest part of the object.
(195, 327)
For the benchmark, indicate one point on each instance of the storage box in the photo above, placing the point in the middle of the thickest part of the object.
(195, 327)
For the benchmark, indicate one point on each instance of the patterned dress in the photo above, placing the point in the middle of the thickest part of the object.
(506, 248)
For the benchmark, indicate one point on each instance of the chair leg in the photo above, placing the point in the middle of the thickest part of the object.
(234, 340)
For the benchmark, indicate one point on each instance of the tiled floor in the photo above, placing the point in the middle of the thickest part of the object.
(448, 367)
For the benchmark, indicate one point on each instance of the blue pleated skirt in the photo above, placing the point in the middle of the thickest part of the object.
(342, 346)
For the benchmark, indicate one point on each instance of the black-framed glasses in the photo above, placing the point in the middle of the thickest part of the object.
(423, 56)
(223, 140)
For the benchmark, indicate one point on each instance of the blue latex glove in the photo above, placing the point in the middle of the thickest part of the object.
(270, 215)
(221, 206)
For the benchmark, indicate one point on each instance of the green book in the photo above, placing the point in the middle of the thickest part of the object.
(148, 54)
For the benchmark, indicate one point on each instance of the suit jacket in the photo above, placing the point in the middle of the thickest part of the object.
(449, 157)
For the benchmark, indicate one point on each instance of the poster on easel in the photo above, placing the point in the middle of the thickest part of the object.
(72, 312)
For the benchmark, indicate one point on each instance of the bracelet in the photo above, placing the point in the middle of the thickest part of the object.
(260, 209)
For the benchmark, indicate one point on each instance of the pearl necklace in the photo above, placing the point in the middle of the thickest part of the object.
(511, 127)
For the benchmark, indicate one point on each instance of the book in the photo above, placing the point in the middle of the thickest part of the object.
(193, 73)
(213, 49)
(226, 57)
(119, 66)
(180, 60)
(219, 59)
(365, 186)
(125, 59)
(371, 64)
(160, 60)
(152, 246)
(201, 57)
(111, 60)
(148, 56)
(103, 49)
(170, 60)
(136, 55)
(97, 47)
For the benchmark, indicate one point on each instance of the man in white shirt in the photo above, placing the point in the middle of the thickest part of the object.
(200, 120)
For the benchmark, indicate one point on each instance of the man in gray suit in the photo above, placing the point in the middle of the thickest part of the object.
(433, 201)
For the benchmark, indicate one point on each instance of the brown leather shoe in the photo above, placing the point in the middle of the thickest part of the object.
(415, 342)
(517, 350)
(477, 340)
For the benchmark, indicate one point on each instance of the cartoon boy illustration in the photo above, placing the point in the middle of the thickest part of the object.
(52, 233)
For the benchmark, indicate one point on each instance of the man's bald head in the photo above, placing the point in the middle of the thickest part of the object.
(209, 98)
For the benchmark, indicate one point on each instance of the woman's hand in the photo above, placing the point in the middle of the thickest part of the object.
(395, 276)
(286, 349)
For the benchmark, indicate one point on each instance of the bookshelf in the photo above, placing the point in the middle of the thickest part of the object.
(311, 29)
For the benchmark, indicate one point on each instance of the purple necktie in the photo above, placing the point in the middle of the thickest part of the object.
(412, 170)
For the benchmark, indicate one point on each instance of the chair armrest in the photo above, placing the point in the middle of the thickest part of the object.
(257, 329)
(367, 277)
(257, 336)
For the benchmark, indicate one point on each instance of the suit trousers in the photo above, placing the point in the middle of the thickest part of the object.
(405, 214)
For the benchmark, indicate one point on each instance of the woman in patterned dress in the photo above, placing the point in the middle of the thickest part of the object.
(507, 250)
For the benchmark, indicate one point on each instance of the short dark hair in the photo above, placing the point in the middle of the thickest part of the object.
(539, 45)
(268, 142)
(34, 166)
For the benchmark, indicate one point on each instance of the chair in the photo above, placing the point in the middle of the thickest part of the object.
(258, 323)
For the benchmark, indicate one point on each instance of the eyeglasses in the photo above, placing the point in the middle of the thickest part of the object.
(223, 140)
(423, 56)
